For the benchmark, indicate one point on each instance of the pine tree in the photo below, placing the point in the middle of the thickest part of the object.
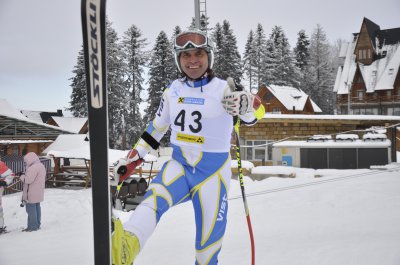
(135, 58)
(285, 71)
(301, 50)
(161, 73)
(177, 30)
(250, 61)
(217, 37)
(302, 55)
(78, 103)
(269, 63)
(204, 23)
(229, 60)
(118, 91)
(261, 74)
(321, 71)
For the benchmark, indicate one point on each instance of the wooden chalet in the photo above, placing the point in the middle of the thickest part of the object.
(368, 82)
(287, 100)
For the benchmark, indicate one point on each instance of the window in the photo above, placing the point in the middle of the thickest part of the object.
(258, 150)
(369, 53)
(391, 70)
(389, 93)
(276, 110)
(360, 54)
(360, 94)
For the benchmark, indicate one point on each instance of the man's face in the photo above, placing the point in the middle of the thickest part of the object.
(194, 63)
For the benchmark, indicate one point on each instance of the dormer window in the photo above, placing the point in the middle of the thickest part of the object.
(391, 70)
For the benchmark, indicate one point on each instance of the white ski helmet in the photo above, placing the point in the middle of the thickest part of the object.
(193, 39)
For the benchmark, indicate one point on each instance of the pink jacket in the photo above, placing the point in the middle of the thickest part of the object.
(33, 179)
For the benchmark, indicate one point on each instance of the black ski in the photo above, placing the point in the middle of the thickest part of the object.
(94, 36)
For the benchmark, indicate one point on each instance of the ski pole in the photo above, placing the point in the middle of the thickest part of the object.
(246, 207)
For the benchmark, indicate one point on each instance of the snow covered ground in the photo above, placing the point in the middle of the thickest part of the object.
(345, 217)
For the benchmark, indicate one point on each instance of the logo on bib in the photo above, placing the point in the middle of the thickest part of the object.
(189, 100)
(190, 138)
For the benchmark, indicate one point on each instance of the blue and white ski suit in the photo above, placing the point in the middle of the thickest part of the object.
(200, 168)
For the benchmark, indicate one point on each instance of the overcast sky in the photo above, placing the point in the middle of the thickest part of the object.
(40, 39)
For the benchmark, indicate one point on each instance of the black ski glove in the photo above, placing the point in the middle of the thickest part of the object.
(3, 183)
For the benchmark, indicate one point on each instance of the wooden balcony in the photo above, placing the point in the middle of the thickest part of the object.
(370, 100)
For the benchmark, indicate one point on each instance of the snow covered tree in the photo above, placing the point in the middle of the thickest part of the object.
(78, 103)
(227, 60)
(217, 37)
(250, 61)
(118, 91)
(285, 71)
(177, 30)
(261, 74)
(204, 23)
(116, 86)
(135, 58)
(161, 73)
(302, 56)
(301, 50)
(321, 71)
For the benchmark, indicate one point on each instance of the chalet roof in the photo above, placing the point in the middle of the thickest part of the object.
(292, 97)
(14, 125)
(372, 29)
(388, 36)
(41, 116)
(381, 73)
(73, 124)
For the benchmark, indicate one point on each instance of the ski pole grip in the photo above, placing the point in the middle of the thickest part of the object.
(122, 170)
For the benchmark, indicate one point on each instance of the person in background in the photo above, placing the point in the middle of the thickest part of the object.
(199, 109)
(33, 191)
(6, 178)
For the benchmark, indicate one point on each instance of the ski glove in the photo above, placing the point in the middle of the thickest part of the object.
(124, 167)
(238, 102)
(3, 183)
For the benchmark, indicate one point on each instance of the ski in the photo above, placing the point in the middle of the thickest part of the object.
(94, 36)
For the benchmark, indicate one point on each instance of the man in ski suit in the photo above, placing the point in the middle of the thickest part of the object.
(198, 108)
(6, 177)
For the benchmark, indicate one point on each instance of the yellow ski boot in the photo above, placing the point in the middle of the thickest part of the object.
(125, 246)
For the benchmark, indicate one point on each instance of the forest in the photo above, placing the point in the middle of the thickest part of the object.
(138, 74)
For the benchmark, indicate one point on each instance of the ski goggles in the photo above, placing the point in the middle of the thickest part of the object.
(189, 40)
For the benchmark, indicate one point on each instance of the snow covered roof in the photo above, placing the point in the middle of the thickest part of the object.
(10, 115)
(292, 97)
(32, 115)
(67, 141)
(24, 141)
(345, 74)
(6, 109)
(76, 146)
(70, 123)
(270, 116)
(334, 144)
(382, 72)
